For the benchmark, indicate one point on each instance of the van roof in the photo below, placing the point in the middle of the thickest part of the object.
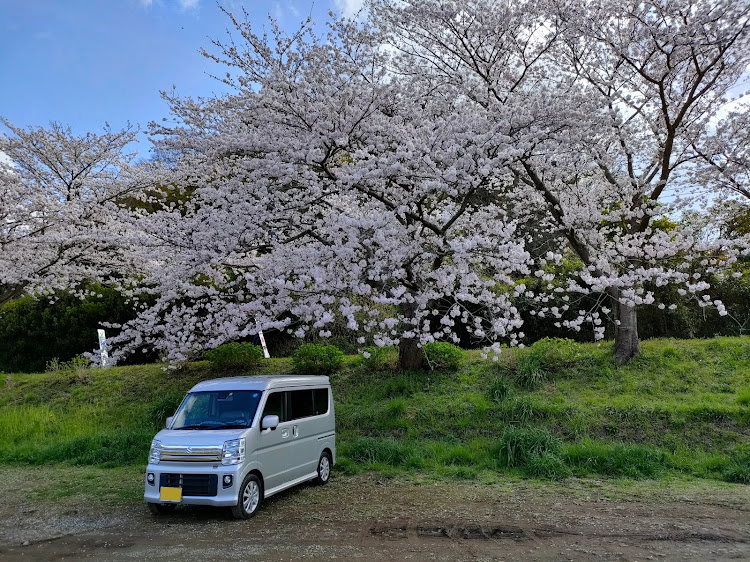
(260, 383)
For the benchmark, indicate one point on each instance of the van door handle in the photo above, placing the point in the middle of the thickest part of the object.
(295, 431)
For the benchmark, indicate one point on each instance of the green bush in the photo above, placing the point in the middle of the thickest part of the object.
(743, 397)
(554, 354)
(443, 356)
(235, 356)
(499, 389)
(316, 359)
(543, 358)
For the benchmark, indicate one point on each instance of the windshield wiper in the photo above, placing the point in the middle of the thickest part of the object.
(201, 425)
(232, 426)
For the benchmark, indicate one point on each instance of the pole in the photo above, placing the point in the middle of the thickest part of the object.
(103, 347)
(263, 343)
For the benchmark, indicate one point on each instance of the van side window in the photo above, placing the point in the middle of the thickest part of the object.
(320, 398)
(301, 402)
(275, 406)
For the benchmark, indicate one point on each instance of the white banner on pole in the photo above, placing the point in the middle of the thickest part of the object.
(103, 347)
(263, 343)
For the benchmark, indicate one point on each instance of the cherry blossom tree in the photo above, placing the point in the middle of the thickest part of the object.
(327, 187)
(727, 151)
(379, 174)
(59, 196)
(605, 104)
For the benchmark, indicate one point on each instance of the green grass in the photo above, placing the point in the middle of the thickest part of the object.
(682, 408)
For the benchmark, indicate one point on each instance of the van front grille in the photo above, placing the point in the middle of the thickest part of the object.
(177, 453)
(191, 484)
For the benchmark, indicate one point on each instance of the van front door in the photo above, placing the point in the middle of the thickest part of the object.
(274, 450)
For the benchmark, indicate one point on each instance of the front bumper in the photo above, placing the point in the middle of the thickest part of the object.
(186, 475)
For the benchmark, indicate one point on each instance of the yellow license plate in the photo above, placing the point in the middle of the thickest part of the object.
(170, 494)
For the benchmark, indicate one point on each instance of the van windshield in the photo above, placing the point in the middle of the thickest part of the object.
(217, 409)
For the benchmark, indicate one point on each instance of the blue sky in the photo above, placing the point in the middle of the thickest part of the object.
(84, 62)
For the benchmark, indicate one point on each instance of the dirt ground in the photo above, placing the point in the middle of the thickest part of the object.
(374, 518)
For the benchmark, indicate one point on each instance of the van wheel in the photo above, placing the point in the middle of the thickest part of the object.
(324, 469)
(249, 498)
(161, 508)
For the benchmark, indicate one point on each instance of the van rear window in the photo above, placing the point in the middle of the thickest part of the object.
(301, 403)
(296, 404)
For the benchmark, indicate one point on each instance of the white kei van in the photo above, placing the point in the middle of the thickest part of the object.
(235, 441)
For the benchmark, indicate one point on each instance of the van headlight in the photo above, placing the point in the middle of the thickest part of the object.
(233, 451)
(154, 454)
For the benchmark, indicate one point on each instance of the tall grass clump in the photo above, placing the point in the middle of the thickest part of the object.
(632, 460)
(534, 450)
(499, 389)
(529, 373)
(317, 359)
(235, 356)
(738, 469)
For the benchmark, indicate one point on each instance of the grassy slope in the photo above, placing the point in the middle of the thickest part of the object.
(682, 407)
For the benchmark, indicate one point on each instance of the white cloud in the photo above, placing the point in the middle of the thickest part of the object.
(146, 3)
(283, 9)
(186, 5)
(349, 8)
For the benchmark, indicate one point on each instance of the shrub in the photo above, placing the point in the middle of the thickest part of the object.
(520, 445)
(543, 358)
(554, 354)
(443, 356)
(743, 397)
(77, 366)
(499, 389)
(244, 356)
(316, 359)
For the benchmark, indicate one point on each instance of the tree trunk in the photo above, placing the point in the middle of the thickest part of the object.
(410, 355)
(627, 345)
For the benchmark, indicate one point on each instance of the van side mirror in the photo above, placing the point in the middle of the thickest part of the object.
(269, 422)
(169, 422)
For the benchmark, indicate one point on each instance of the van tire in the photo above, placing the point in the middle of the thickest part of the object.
(249, 498)
(324, 469)
(161, 508)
